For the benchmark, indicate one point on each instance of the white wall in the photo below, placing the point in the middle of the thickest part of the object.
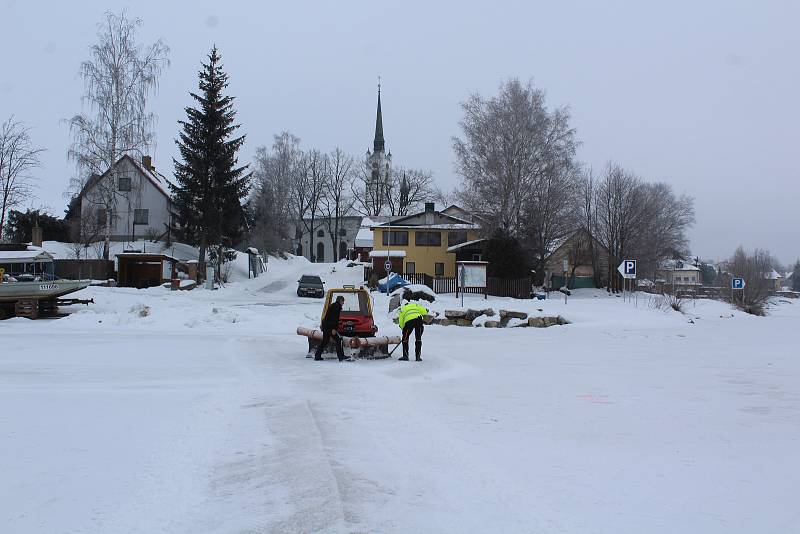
(350, 226)
(143, 195)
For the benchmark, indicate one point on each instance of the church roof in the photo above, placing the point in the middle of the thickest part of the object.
(379, 144)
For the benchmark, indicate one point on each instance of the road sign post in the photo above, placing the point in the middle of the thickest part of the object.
(628, 271)
(387, 266)
(738, 283)
(461, 277)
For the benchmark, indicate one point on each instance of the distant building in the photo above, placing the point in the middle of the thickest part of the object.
(141, 203)
(322, 249)
(775, 279)
(579, 254)
(678, 273)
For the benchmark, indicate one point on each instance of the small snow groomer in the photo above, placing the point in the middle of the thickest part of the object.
(356, 326)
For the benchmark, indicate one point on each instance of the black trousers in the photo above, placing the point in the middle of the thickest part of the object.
(337, 339)
(416, 326)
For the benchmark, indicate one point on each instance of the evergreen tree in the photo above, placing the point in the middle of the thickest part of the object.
(506, 257)
(796, 277)
(210, 184)
(18, 229)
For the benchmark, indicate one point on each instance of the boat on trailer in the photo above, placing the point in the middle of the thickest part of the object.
(28, 284)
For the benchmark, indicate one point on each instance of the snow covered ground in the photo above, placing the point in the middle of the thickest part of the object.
(156, 411)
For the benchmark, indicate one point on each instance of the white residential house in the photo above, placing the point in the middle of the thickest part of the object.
(775, 279)
(678, 273)
(142, 203)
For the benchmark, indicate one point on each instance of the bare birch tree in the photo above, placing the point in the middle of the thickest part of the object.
(275, 173)
(639, 220)
(754, 268)
(407, 189)
(337, 202)
(118, 79)
(550, 211)
(369, 188)
(511, 144)
(18, 157)
(307, 194)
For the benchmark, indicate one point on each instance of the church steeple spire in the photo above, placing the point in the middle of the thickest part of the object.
(379, 145)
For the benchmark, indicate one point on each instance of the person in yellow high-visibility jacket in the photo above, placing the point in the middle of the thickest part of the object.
(410, 319)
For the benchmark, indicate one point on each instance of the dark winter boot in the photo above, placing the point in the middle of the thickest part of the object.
(404, 357)
(418, 350)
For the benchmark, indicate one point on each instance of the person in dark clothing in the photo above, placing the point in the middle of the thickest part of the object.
(329, 325)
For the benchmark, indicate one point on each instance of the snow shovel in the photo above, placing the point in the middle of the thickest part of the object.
(395, 347)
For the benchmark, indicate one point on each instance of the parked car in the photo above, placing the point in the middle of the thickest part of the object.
(310, 286)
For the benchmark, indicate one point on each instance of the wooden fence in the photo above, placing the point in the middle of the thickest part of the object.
(84, 269)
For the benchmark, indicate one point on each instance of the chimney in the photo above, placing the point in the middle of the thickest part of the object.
(429, 211)
(147, 161)
(36, 235)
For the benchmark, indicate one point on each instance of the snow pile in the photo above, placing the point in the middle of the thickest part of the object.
(416, 288)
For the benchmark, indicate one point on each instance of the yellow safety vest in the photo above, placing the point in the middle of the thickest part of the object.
(410, 311)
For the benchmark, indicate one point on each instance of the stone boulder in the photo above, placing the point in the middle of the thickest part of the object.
(473, 314)
(536, 322)
(463, 322)
(394, 302)
(491, 324)
(455, 314)
(442, 321)
(512, 314)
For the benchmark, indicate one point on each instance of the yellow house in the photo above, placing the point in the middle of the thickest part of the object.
(418, 243)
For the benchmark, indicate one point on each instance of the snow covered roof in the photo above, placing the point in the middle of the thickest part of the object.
(364, 237)
(144, 255)
(23, 256)
(454, 226)
(161, 182)
(772, 275)
(387, 253)
(677, 265)
(464, 245)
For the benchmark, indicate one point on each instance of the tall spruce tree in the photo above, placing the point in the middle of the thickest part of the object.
(210, 186)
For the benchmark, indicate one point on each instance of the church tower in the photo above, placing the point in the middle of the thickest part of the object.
(378, 163)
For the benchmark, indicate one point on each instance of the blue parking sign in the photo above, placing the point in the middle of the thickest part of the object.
(627, 269)
(737, 283)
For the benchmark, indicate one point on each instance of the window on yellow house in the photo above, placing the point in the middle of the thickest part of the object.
(456, 237)
(428, 239)
(411, 267)
(439, 268)
(398, 238)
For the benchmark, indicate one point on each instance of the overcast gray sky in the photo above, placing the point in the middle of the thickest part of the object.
(703, 95)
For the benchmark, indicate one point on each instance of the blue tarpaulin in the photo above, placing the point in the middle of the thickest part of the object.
(394, 281)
